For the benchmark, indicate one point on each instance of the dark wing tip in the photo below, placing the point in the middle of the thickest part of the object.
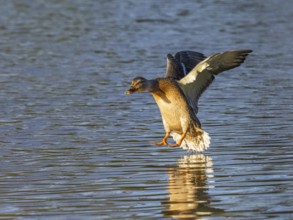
(169, 56)
(174, 69)
(246, 51)
(189, 59)
(241, 55)
(220, 62)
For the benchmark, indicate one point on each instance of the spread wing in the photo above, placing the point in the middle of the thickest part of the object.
(182, 63)
(202, 75)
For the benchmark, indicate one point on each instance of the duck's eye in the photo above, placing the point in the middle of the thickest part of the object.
(139, 83)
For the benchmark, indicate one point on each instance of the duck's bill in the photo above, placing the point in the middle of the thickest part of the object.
(129, 91)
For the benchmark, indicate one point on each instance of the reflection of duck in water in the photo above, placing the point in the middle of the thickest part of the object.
(188, 196)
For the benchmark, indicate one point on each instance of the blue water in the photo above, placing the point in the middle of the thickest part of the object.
(73, 146)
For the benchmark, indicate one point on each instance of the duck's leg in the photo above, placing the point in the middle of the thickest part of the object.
(180, 141)
(164, 141)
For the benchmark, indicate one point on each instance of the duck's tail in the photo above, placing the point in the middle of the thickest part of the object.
(197, 141)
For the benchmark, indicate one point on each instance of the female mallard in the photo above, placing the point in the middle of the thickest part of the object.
(188, 75)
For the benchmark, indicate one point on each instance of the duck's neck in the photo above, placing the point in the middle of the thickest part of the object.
(152, 85)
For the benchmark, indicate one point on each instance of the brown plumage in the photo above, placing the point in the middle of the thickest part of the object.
(188, 75)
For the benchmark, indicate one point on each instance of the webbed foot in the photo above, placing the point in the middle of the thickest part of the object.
(180, 141)
(174, 145)
(162, 143)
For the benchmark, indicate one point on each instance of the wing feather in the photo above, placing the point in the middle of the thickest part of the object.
(182, 63)
(202, 75)
(174, 68)
(189, 59)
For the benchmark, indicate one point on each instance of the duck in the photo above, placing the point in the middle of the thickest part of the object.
(188, 75)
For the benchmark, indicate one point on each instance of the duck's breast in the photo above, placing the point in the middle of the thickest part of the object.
(173, 111)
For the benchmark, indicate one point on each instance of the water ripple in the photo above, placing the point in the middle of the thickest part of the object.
(73, 146)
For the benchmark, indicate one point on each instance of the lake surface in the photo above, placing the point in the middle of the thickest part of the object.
(73, 146)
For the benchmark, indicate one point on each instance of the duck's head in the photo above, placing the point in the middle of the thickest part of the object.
(138, 84)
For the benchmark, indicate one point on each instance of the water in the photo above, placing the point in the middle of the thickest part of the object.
(74, 146)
